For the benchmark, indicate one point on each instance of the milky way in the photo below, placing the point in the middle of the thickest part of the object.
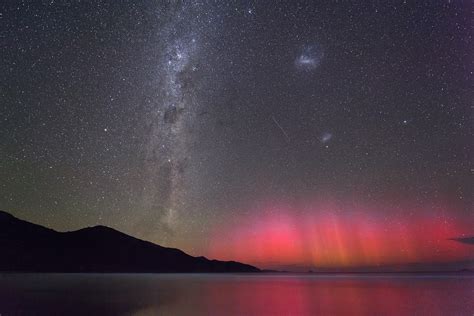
(171, 116)
(237, 129)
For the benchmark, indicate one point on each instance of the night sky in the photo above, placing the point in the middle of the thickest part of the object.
(285, 133)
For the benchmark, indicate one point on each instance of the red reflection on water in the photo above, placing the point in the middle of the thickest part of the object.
(332, 296)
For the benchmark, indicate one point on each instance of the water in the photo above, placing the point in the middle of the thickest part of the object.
(235, 294)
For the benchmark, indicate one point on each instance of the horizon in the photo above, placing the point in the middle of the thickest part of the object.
(407, 267)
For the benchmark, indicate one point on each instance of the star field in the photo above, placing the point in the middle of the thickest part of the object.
(194, 123)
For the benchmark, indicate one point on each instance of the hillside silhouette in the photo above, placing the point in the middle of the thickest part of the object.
(27, 247)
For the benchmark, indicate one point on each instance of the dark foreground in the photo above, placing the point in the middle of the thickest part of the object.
(27, 247)
(235, 294)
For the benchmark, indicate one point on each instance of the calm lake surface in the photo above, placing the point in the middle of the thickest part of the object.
(235, 294)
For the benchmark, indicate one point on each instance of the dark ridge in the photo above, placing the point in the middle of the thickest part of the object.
(27, 247)
(464, 240)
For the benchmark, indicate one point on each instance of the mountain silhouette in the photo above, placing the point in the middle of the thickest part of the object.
(28, 247)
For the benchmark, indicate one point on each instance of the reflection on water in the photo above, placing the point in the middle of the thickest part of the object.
(235, 294)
